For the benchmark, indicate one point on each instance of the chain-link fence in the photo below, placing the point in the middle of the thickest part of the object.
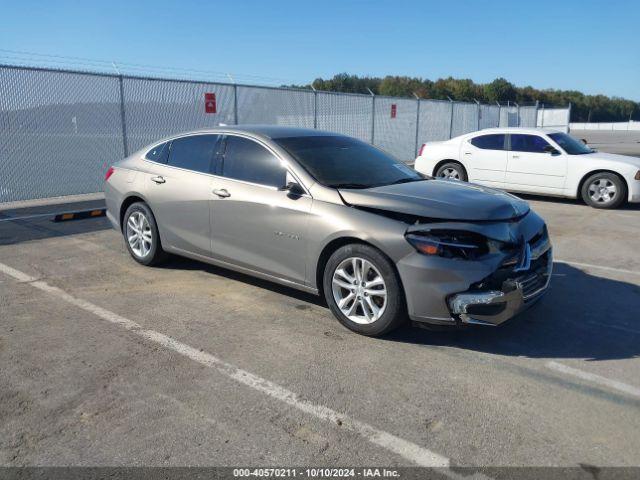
(556, 118)
(61, 130)
(395, 126)
(156, 108)
(266, 105)
(58, 132)
(489, 116)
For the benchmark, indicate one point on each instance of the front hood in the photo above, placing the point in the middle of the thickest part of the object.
(613, 157)
(440, 199)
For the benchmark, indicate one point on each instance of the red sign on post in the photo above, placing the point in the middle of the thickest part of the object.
(394, 110)
(209, 103)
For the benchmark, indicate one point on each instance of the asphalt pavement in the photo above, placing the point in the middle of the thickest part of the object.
(106, 362)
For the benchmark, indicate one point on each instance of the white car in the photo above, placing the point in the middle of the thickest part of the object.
(536, 161)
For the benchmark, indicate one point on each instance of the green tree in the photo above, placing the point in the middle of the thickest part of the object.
(500, 90)
(595, 108)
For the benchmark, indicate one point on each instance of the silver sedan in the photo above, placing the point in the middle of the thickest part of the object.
(335, 216)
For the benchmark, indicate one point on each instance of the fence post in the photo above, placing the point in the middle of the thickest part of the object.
(315, 108)
(451, 118)
(568, 117)
(417, 122)
(123, 120)
(478, 105)
(536, 125)
(542, 119)
(499, 114)
(235, 104)
(373, 116)
(518, 114)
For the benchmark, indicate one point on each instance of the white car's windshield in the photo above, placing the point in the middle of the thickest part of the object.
(570, 144)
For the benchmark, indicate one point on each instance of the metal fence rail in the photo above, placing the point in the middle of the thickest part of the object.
(60, 130)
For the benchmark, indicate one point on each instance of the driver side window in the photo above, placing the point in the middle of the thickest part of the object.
(248, 161)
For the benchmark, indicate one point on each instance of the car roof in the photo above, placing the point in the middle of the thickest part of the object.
(266, 131)
(515, 130)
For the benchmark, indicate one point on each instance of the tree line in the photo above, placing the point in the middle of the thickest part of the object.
(584, 108)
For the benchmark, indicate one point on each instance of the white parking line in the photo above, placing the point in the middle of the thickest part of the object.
(17, 274)
(591, 377)
(598, 267)
(406, 449)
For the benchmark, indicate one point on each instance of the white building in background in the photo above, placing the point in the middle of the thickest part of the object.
(630, 125)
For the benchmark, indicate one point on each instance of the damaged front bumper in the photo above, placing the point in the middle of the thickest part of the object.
(493, 307)
(489, 289)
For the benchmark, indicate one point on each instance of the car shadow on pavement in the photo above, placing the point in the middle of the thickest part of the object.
(582, 316)
(175, 262)
(23, 230)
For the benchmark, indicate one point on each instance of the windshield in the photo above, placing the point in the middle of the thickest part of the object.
(337, 161)
(570, 144)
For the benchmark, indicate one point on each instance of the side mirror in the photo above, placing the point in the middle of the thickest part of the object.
(552, 150)
(294, 188)
(584, 140)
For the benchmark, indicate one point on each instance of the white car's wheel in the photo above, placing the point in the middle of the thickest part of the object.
(452, 171)
(604, 190)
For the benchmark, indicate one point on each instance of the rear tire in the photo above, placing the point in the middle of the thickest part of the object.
(604, 190)
(141, 236)
(452, 171)
(356, 276)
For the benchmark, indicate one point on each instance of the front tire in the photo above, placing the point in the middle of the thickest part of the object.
(604, 190)
(141, 236)
(363, 290)
(452, 171)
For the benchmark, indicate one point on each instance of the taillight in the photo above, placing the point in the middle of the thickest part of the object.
(422, 149)
(109, 173)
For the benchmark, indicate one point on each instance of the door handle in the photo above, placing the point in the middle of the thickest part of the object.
(159, 179)
(515, 156)
(221, 192)
(467, 153)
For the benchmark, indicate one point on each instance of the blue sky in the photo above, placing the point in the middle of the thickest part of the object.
(592, 46)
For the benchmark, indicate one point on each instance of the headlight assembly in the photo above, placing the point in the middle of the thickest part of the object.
(450, 243)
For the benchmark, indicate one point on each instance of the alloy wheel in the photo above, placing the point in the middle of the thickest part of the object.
(359, 290)
(139, 234)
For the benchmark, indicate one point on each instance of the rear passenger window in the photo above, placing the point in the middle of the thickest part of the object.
(159, 153)
(194, 152)
(246, 160)
(528, 143)
(489, 142)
